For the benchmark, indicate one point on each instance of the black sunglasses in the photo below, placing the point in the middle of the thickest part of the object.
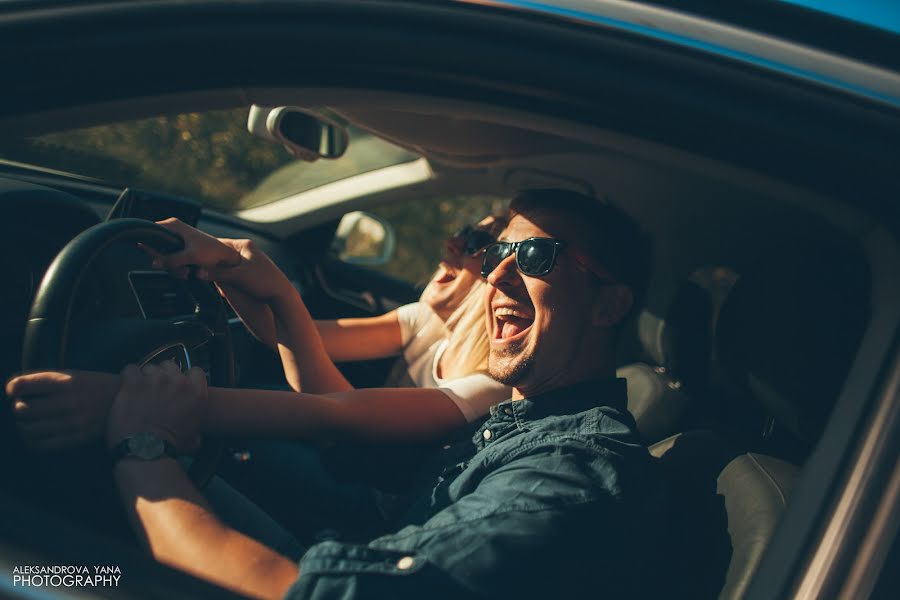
(474, 240)
(536, 257)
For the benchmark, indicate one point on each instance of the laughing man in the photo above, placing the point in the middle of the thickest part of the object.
(551, 495)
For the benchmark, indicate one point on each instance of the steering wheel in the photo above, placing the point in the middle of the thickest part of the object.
(88, 314)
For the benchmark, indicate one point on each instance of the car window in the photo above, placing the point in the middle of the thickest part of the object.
(422, 225)
(209, 157)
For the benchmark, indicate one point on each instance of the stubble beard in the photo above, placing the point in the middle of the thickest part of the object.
(511, 375)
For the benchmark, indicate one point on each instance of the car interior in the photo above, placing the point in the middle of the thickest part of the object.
(764, 299)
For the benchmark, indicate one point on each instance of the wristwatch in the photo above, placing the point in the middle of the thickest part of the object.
(142, 446)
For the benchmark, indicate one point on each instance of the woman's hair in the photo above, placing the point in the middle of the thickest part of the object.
(466, 327)
(468, 337)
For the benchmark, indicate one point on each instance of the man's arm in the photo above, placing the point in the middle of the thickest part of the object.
(546, 523)
(164, 507)
(58, 410)
(364, 414)
(178, 527)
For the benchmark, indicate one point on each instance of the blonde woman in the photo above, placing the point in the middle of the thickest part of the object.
(442, 338)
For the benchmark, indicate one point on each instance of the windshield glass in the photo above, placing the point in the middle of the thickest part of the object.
(209, 157)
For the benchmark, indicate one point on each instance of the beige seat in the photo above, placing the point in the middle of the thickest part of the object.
(785, 336)
(660, 390)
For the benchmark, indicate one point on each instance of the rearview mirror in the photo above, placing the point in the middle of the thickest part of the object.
(306, 134)
(364, 239)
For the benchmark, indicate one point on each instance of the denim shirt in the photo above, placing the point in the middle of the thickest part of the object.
(550, 496)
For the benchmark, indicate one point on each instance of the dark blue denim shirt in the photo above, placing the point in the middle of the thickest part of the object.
(550, 496)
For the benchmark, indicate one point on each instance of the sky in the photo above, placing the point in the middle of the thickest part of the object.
(878, 13)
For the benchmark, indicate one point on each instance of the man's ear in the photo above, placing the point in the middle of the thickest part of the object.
(611, 304)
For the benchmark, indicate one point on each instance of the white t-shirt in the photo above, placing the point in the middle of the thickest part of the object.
(423, 344)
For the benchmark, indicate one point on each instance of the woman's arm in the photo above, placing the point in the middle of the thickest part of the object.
(344, 339)
(362, 338)
(274, 312)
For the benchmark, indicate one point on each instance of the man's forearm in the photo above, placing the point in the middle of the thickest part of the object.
(367, 414)
(180, 529)
(270, 413)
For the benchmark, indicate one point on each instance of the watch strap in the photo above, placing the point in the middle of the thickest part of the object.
(123, 450)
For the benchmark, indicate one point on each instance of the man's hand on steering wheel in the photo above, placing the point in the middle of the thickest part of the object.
(162, 400)
(235, 263)
(59, 410)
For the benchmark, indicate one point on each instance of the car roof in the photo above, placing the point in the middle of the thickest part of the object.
(813, 46)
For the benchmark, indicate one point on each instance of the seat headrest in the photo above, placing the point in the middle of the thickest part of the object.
(789, 329)
(681, 342)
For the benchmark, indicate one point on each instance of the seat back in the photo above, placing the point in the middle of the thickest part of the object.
(785, 337)
(679, 346)
(724, 507)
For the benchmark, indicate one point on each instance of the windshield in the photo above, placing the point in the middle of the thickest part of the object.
(209, 157)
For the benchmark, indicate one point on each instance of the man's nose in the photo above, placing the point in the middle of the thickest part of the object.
(505, 273)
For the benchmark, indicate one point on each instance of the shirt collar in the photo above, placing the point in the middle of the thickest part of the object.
(571, 399)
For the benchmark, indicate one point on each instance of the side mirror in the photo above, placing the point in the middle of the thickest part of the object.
(306, 134)
(364, 239)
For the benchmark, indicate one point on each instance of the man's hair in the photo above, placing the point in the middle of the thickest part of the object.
(611, 237)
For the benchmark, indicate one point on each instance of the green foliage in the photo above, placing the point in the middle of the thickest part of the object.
(423, 225)
(212, 158)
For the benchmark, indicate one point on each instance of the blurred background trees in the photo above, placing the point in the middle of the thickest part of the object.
(212, 158)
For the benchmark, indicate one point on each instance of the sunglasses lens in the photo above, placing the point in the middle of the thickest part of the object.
(535, 257)
(493, 256)
(477, 240)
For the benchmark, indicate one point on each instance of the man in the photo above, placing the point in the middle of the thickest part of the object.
(551, 495)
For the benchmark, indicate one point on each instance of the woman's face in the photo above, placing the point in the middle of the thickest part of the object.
(456, 272)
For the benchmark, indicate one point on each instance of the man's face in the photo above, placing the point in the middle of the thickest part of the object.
(536, 324)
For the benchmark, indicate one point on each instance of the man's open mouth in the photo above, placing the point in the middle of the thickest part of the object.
(511, 323)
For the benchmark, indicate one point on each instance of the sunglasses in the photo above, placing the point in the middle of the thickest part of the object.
(474, 240)
(536, 257)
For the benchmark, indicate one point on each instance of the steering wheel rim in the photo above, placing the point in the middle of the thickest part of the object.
(47, 331)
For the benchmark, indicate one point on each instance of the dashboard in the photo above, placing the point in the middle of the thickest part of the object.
(39, 220)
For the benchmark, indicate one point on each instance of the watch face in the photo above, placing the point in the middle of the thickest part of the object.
(146, 446)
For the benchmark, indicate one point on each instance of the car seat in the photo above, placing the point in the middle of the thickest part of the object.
(785, 337)
(679, 347)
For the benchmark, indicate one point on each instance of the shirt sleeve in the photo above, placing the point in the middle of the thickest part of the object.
(475, 394)
(543, 525)
(412, 318)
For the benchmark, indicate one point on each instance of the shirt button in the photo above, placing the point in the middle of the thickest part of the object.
(447, 446)
(406, 563)
(507, 411)
(488, 434)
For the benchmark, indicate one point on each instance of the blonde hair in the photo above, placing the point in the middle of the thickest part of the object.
(467, 336)
(467, 327)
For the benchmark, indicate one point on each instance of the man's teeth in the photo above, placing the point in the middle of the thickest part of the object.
(511, 322)
(509, 312)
